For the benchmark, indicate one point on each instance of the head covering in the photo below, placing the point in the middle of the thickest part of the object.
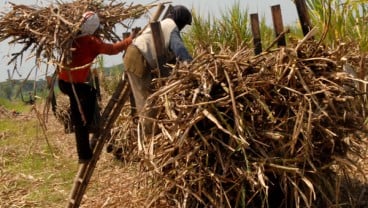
(91, 22)
(181, 16)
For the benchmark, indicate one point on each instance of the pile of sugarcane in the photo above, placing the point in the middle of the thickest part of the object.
(5, 113)
(62, 113)
(48, 32)
(238, 130)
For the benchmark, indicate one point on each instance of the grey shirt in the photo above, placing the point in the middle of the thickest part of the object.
(176, 45)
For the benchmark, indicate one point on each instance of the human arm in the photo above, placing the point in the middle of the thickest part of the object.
(114, 48)
(176, 45)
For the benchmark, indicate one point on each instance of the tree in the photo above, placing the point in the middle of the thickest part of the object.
(6, 90)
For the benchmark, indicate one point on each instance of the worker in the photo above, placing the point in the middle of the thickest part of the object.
(140, 59)
(73, 79)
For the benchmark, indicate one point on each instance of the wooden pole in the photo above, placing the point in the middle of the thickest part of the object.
(155, 17)
(158, 13)
(107, 119)
(256, 33)
(278, 24)
(159, 43)
(87, 174)
(302, 9)
(168, 10)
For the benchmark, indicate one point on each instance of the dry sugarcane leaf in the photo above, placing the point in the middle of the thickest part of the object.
(289, 105)
(52, 29)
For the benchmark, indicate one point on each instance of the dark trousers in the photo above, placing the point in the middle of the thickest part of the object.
(86, 96)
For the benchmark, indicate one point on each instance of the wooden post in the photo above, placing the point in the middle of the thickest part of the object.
(168, 10)
(155, 17)
(278, 24)
(256, 33)
(108, 118)
(158, 37)
(302, 9)
(158, 13)
(159, 43)
(133, 112)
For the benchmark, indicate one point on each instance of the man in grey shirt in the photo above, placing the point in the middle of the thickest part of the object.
(140, 58)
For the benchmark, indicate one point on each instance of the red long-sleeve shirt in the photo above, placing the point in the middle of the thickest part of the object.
(85, 50)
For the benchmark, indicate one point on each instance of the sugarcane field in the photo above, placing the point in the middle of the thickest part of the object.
(262, 115)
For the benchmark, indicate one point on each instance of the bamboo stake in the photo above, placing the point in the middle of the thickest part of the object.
(278, 25)
(256, 34)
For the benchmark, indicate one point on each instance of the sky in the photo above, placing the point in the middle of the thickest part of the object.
(204, 8)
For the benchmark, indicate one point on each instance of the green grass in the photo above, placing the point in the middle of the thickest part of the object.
(29, 169)
(56, 182)
(17, 129)
(337, 21)
(230, 31)
(341, 21)
(14, 105)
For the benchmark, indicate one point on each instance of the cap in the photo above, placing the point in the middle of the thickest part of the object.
(90, 24)
(181, 16)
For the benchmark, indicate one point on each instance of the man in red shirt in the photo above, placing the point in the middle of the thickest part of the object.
(73, 79)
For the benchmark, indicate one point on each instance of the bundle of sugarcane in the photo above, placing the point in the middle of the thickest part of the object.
(49, 31)
(238, 130)
(63, 114)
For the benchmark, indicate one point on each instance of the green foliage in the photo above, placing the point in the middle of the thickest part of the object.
(19, 89)
(338, 21)
(6, 90)
(233, 27)
(111, 78)
(341, 21)
(199, 35)
(267, 33)
(14, 105)
(229, 32)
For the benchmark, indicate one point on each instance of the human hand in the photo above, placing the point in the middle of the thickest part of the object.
(134, 32)
(185, 63)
